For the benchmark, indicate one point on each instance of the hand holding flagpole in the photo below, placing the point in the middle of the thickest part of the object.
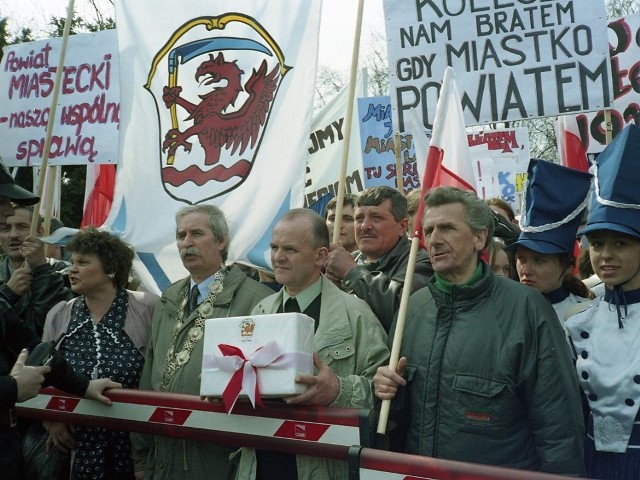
(448, 163)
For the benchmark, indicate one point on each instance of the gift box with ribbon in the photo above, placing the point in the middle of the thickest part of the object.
(256, 357)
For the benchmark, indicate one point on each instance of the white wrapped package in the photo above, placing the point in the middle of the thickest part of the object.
(256, 356)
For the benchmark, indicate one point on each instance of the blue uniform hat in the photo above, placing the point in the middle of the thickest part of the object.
(616, 199)
(555, 200)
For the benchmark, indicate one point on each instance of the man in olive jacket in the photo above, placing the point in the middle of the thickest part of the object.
(349, 341)
(174, 355)
(486, 375)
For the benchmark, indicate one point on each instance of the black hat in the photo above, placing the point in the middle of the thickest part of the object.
(9, 189)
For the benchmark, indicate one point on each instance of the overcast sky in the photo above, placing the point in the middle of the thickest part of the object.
(336, 33)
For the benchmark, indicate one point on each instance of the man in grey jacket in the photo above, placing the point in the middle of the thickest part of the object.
(485, 374)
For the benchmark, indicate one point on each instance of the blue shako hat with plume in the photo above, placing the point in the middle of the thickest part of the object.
(555, 200)
(616, 194)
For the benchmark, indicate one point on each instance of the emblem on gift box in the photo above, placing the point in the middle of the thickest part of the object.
(246, 327)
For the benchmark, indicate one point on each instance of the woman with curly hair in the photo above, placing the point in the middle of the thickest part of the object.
(103, 333)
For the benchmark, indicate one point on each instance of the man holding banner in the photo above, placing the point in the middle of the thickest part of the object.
(485, 374)
(378, 279)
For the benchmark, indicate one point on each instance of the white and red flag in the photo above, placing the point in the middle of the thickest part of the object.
(570, 146)
(449, 160)
(98, 194)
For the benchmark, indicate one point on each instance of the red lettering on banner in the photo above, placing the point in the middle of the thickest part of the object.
(170, 416)
(301, 430)
(62, 404)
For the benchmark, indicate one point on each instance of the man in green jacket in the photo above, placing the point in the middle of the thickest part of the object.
(349, 341)
(174, 355)
(486, 375)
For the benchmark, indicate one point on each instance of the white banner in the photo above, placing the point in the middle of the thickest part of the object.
(624, 44)
(326, 144)
(501, 158)
(88, 111)
(513, 60)
(217, 104)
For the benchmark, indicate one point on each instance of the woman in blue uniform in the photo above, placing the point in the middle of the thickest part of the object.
(606, 336)
(544, 255)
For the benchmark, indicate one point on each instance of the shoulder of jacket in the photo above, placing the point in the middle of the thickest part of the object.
(577, 308)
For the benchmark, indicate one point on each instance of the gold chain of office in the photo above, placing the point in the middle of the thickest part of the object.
(175, 361)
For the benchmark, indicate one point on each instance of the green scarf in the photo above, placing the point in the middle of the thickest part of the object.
(447, 287)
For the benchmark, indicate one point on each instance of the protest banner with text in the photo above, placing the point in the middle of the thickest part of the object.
(88, 113)
(512, 59)
(624, 47)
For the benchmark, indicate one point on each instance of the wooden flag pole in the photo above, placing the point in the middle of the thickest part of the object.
(347, 134)
(52, 119)
(399, 330)
(52, 176)
(399, 172)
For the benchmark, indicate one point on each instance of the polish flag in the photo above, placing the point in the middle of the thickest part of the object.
(448, 160)
(98, 194)
(572, 151)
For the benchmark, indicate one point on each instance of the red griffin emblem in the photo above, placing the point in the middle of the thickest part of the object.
(222, 100)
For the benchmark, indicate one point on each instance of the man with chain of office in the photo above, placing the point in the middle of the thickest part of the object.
(174, 354)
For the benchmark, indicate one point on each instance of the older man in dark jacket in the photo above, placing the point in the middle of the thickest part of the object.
(486, 375)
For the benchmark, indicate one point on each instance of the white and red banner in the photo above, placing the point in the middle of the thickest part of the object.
(326, 144)
(570, 147)
(624, 47)
(88, 113)
(513, 59)
(217, 106)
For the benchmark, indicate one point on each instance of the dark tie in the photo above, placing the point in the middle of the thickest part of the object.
(291, 306)
(193, 300)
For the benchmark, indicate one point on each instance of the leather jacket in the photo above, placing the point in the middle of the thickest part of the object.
(382, 287)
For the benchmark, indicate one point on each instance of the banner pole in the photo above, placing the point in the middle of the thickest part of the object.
(52, 116)
(347, 134)
(399, 172)
(52, 177)
(608, 127)
(399, 330)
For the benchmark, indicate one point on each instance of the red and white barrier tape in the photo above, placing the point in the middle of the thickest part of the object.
(185, 413)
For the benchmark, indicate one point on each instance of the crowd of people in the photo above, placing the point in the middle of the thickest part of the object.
(507, 357)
